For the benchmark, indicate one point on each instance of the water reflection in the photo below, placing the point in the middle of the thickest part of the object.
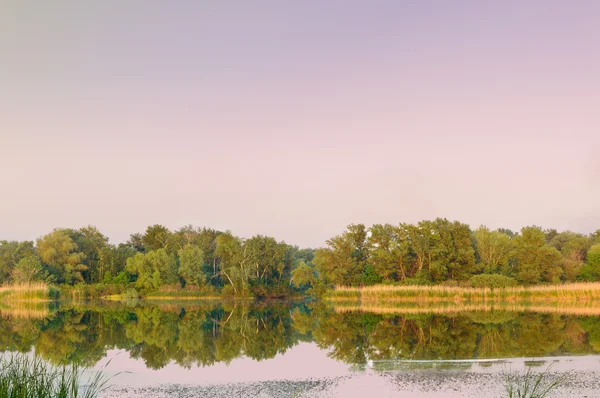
(209, 333)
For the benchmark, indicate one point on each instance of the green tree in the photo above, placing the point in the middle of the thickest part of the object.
(11, 252)
(136, 242)
(91, 243)
(264, 259)
(157, 237)
(153, 269)
(535, 261)
(453, 254)
(229, 255)
(494, 250)
(191, 262)
(344, 260)
(591, 270)
(60, 254)
(303, 276)
(389, 252)
(28, 269)
(113, 260)
(573, 248)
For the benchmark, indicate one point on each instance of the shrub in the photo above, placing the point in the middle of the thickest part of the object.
(493, 281)
(416, 282)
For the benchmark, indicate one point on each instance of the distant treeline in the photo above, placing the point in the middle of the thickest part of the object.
(201, 260)
(208, 262)
(441, 251)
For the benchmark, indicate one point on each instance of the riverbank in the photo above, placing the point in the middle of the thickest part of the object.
(576, 293)
(579, 295)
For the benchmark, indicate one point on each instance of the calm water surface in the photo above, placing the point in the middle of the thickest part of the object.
(297, 349)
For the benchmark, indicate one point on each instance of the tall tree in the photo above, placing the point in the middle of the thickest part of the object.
(389, 252)
(591, 270)
(344, 260)
(265, 259)
(157, 237)
(58, 251)
(11, 252)
(303, 276)
(494, 248)
(229, 255)
(535, 261)
(91, 243)
(191, 262)
(453, 256)
(573, 248)
(153, 269)
(28, 269)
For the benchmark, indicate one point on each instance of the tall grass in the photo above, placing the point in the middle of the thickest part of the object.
(530, 384)
(35, 291)
(576, 292)
(23, 376)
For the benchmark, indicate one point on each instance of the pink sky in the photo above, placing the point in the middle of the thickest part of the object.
(294, 119)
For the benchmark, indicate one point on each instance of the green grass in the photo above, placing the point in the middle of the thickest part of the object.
(23, 376)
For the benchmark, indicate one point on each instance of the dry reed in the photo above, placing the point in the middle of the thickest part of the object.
(36, 291)
(578, 292)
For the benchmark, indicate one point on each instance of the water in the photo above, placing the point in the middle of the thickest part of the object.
(306, 349)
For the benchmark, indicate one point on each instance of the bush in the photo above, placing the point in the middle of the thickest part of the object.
(270, 292)
(493, 281)
(416, 282)
(450, 283)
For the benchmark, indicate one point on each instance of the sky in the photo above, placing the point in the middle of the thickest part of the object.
(294, 119)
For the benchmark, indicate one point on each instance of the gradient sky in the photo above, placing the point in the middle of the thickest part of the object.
(296, 118)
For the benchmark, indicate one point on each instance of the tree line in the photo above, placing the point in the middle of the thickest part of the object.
(201, 259)
(213, 262)
(441, 251)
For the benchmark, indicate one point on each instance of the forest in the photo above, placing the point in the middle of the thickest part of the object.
(207, 262)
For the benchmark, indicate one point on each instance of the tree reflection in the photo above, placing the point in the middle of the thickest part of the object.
(202, 335)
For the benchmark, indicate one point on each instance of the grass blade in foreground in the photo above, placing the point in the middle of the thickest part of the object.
(530, 385)
(23, 376)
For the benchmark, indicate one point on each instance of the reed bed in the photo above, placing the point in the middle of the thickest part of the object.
(24, 376)
(578, 292)
(37, 291)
